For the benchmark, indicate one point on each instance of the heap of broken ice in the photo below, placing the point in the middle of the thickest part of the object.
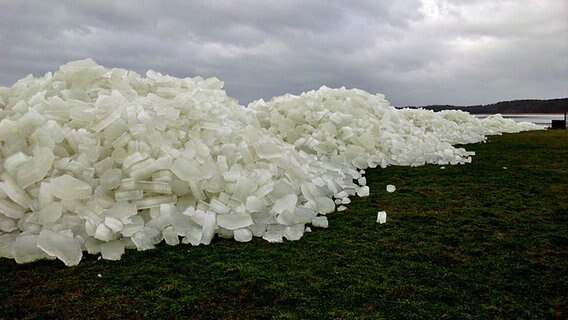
(99, 160)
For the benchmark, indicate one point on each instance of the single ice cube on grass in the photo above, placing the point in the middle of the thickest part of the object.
(391, 188)
(363, 191)
(320, 222)
(381, 217)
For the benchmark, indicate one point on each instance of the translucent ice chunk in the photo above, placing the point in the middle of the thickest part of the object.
(67, 187)
(274, 233)
(268, 151)
(50, 213)
(104, 233)
(294, 232)
(209, 226)
(288, 203)
(36, 168)
(381, 217)
(363, 191)
(112, 250)
(12, 162)
(155, 187)
(106, 121)
(255, 204)
(325, 205)
(170, 236)
(185, 169)
(10, 209)
(7, 242)
(320, 222)
(146, 238)
(114, 224)
(125, 195)
(111, 178)
(155, 201)
(391, 188)
(64, 247)
(15, 192)
(242, 235)
(234, 221)
(26, 250)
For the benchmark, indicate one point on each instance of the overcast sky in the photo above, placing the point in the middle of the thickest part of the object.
(416, 52)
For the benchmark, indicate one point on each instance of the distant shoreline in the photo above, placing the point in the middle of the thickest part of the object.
(545, 107)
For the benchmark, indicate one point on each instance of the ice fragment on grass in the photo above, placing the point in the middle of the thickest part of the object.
(391, 188)
(320, 222)
(363, 191)
(381, 217)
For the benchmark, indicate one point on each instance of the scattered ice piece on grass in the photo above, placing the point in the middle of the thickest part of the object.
(382, 217)
(363, 191)
(442, 168)
(320, 222)
(341, 208)
(504, 168)
(391, 188)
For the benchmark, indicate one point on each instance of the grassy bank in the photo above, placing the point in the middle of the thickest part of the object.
(475, 241)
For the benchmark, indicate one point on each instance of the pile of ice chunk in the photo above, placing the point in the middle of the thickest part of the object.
(101, 160)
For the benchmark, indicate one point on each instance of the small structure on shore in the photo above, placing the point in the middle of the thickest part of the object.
(559, 124)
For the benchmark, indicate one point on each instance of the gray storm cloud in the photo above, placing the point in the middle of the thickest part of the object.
(415, 52)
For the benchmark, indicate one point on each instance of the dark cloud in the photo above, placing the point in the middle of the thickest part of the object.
(415, 52)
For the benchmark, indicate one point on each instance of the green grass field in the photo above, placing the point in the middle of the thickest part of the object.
(472, 241)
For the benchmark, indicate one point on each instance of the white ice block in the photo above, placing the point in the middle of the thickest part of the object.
(112, 250)
(63, 247)
(66, 187)
(242, 235)
(381, 217)
(234, 221)
(170, 236)
(320, 222)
